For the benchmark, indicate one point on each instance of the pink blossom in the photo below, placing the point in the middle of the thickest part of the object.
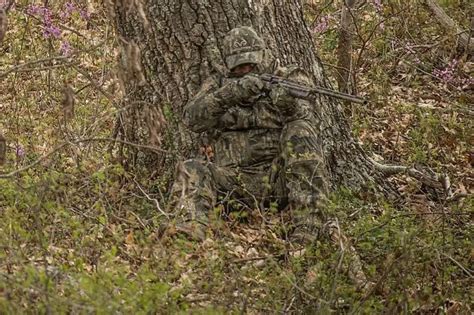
(85, 15)
(409, 48)
(40, 11)
(378, 5)
(448, 74)
(51, 31)
(65, 48)
(20, 151)
(69, 8)
(322, 26)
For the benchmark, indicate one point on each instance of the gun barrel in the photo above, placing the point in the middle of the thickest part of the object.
(344, 96)
(304, 91)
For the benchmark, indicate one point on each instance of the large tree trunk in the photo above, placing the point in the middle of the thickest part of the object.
(170, 47)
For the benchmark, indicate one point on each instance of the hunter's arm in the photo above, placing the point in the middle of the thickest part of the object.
(203, 111)
(293, 108)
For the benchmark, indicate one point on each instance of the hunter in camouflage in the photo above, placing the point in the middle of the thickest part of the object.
(265, 142)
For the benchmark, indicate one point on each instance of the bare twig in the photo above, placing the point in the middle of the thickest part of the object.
(3, 149)
(44, 157)
(30, 63)
(466, 271)
(377, 284)
(339, 264)
(456, 197)
(167, 215)
(287, 309)
(61, 146)
(243, 260)
(71, 30)
(62, 65)
(319, 9)
(95, 84)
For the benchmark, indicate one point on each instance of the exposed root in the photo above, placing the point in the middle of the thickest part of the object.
(438, 181)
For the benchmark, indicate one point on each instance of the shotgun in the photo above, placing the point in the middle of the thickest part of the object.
(308, 92)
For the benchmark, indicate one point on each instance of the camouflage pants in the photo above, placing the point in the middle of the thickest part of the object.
(296, 176)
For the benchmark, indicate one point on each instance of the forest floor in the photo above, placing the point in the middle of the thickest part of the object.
(79, 233)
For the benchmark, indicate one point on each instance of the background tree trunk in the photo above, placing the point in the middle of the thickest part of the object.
(170, 47)
(465, 39)
(344, 48)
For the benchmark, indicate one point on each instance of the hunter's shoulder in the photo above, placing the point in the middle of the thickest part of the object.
(286, 70)
(293, 72)
(214, 78)
(211, 82)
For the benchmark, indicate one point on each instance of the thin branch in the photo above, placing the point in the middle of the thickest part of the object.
(243, 260)
(425, 72)
(466, 271)
(371, 34)
(44, 157)
(30, 63)
(320, 10)
(47, 67)
(366, 41)
(62, 145)
(95, 84)
(339, 264)
(377, 284)
(71, 30)
(167, 215)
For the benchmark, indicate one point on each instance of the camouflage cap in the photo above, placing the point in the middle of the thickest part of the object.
(242, 45)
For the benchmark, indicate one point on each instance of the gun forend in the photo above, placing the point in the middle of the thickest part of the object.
(306, 92)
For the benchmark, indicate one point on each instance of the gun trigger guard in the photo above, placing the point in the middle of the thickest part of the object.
(267, 87)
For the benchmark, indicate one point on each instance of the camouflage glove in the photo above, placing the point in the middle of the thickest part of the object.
(250, 86)
(242, 90)
(280, 97)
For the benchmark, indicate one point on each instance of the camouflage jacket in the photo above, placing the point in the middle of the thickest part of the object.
(244, 136)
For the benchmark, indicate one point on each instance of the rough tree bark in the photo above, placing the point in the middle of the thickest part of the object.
(170, 47)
